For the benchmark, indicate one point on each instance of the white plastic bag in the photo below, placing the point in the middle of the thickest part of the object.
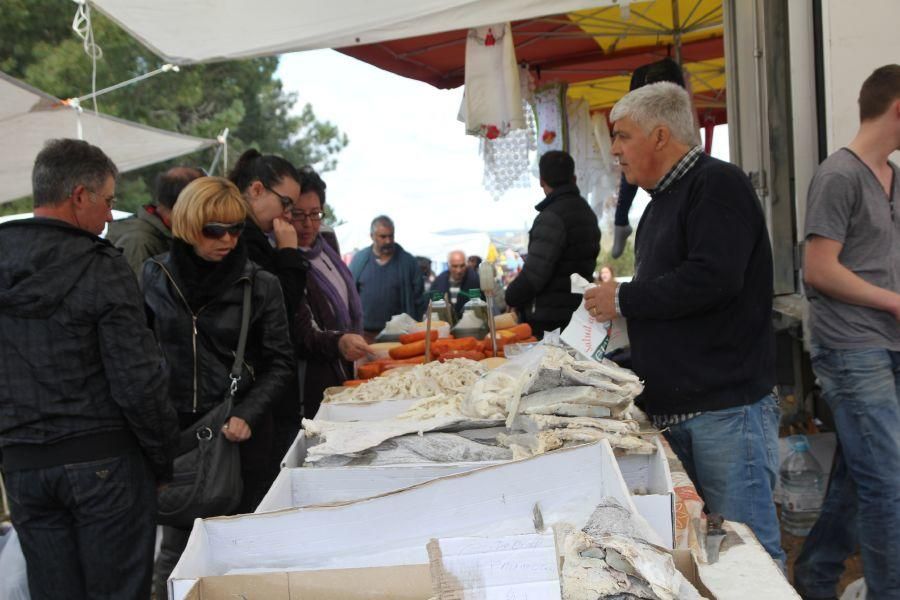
(591, 338)
(13, 571)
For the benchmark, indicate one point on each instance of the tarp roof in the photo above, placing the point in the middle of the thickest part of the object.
(594, 45)
(184, 31)
(30, 117)
(594, 50)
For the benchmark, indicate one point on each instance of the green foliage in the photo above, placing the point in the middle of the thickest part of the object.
(622, 266)
(38, 46)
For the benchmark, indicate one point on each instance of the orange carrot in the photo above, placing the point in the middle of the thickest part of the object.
(354, 382)
(368, 370)
(408, 350)
(390, 364)
(409, 338)
(522, 331)
(501, 341)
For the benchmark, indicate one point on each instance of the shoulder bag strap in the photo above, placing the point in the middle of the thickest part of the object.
(238, 365)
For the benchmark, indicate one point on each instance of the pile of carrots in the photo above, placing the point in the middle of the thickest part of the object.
(412, 350)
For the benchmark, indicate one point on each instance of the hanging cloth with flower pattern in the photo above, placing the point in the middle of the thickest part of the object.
(492, 102)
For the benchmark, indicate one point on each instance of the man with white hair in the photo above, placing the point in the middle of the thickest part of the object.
(699, 309)
(457, 278)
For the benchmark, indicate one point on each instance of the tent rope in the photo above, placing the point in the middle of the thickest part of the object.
(84, 29)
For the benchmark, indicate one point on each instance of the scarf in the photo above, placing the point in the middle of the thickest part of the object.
(349, 318)
(201, 281)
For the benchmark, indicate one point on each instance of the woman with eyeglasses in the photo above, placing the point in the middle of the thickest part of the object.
(271, 185)
(328, 328)
(194, 299)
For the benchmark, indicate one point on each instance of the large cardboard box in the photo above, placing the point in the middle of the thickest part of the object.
(393, 529)
(409, 582)
(647, 476)
(296, 487)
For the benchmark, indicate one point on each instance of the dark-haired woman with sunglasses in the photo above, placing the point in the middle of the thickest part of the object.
(194, 298)
(270, 185)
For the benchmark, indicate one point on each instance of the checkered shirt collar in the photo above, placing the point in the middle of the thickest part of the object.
(677, 172)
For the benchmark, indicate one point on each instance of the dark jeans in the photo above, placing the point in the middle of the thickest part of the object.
(173, 543)
(862, 505)
(87, 529)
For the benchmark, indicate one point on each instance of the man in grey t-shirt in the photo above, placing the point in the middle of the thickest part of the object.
(852, 273)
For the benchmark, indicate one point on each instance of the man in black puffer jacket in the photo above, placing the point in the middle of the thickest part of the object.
(86, 429)
(564, 239)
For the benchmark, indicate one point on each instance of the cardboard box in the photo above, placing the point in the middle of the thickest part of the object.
(409, 582)
(393, 529)
(650, 482)
(647, 476)
(297, 487)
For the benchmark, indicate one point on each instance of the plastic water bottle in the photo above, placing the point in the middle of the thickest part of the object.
(803, 487)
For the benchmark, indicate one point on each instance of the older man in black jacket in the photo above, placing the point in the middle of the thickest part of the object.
(86, 430)
(699, 308)
(564, 239)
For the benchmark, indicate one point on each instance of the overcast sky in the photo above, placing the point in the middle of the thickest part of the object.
(408, 155)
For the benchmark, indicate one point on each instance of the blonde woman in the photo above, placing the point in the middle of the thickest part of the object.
(194, 296)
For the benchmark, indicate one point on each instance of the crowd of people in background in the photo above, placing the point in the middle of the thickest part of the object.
(110, 348)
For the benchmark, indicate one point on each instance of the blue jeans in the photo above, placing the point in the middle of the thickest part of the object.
(731, 455)
(87, 529)
(862, 505)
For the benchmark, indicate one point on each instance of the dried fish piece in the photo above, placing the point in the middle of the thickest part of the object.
(524, 445)
(629, 444)
(533, 423)
(617, 402)
(568, 410)
(355, 436)
(612, 558)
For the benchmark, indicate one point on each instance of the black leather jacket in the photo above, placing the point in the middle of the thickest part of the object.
(199, 347)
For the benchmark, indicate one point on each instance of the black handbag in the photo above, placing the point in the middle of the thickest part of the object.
(207, 475)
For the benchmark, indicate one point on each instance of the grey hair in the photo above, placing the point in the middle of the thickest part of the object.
(660, 103)
(383, 220)
(64, 164)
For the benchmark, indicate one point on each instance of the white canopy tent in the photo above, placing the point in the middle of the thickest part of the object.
(30, 117)
(185, 31)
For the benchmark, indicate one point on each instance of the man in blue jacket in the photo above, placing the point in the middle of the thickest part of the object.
(699, 308)
(387, 278)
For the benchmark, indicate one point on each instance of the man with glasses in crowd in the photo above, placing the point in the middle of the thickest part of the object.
(86, 430)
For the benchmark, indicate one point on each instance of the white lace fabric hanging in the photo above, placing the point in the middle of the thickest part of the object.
(507, 159)
(492, 104)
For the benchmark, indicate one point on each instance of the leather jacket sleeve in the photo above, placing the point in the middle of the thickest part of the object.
(313, 342)
(135, 369)
(272, 355)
